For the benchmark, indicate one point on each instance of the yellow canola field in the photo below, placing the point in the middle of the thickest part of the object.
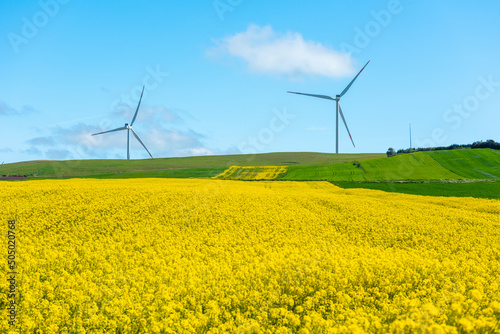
(211, 256)
(252, 173)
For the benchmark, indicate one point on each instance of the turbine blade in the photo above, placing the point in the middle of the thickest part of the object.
(345, 123)
(140, 141)
(314, 95)
(349, 85)
(117, 129)
(136, 110)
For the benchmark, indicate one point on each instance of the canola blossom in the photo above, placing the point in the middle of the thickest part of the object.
(252, 173)
(215, 256)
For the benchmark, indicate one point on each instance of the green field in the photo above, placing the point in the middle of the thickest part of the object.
(472, 164)
(340, 172)
(252, 173)
(434, 165)
(203, 166)
(172, 173)
(473, 189)
(414, 166)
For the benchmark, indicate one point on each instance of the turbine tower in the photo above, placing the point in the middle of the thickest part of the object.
(338, 108)
(129, 128)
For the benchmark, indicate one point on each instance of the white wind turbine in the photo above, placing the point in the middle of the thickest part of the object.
(129, 128)
(339, 109)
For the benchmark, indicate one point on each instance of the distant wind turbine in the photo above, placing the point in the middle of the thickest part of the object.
(129, 128)
(338, 109)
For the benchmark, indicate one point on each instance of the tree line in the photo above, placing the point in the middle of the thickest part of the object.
(490, 143)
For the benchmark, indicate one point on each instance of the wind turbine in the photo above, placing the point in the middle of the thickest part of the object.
(338, 109)
(129, 128)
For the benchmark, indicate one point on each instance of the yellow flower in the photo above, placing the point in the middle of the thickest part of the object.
(219, 256)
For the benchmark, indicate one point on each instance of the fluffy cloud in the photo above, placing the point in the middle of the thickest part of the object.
(267, 51)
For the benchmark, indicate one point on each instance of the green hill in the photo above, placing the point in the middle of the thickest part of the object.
(202, 166)
(481, 163)
(432, 165)
(413, 166)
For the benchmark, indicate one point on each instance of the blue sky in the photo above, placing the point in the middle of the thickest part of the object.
(217, 72)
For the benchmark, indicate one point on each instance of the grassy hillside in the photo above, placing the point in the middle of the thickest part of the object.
(203, 166)
(172, 173)
(434, 165)
(341, 172)
(481, 163)
(466, 163)
(414, 166)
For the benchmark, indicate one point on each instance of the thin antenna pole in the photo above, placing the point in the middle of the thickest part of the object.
(410, 136)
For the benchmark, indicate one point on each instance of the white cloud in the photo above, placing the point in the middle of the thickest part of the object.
(271, 52)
